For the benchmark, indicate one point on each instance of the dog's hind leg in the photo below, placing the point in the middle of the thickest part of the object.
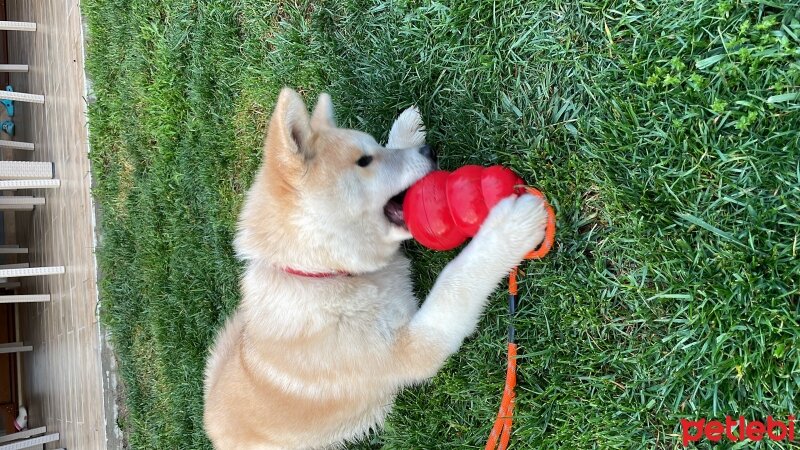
(407, 130)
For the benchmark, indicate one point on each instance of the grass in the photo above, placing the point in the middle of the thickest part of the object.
(665, 133)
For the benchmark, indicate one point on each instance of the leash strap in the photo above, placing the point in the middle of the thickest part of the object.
(501, 432)
(502, 425)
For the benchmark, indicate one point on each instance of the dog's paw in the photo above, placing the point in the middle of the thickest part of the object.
(408, 130)
(514, 227)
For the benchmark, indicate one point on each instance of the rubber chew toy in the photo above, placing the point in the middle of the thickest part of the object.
(443, 209)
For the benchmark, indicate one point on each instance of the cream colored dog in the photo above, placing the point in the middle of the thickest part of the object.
(328, 330)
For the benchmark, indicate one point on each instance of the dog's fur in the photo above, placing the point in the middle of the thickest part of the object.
(309, 363)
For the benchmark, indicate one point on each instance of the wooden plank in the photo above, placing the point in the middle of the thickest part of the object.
(13, 250)
(11, 344)
(6, 200)
(23, 434)
(15, 347)
(16, 207)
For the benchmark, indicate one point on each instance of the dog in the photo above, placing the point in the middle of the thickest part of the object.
(329, 330)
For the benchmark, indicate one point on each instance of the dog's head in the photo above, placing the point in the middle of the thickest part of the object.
(327, 198)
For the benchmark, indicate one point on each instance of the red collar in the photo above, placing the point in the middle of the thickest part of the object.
(300, 273)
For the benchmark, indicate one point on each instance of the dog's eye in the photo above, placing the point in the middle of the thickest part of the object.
(364, 160)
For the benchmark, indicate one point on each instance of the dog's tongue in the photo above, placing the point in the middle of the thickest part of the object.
(394, 211)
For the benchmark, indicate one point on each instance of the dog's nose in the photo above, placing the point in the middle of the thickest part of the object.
(428, 152)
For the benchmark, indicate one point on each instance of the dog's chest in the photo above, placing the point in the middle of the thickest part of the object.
(380, 305)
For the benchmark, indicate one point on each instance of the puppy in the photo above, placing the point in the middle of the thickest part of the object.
(328, 329)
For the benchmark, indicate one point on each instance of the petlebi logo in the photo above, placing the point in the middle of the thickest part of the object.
(737, 430)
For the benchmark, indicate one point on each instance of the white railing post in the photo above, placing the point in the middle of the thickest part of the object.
(26, 170)
(21, 97)
(16, 145)
(14, 68)
(13, 185)
(17, 26)
(31, 272)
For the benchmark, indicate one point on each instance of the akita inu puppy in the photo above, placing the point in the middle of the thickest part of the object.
(328, 329)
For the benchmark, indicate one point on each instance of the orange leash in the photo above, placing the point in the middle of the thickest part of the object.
(501, 431)
(549, 231)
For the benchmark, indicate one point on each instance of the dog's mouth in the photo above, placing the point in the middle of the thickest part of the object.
(393, 210)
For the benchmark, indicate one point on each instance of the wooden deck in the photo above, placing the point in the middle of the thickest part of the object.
(63, 387)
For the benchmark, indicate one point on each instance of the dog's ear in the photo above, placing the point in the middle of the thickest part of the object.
(407, 130)
(290, 129)
(323, 113)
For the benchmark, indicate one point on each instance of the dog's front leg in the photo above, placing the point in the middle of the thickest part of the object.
(453, 307)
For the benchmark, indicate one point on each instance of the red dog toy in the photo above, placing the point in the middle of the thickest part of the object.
(443, 209)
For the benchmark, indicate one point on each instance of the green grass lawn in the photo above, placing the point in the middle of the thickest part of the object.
(666, 134)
